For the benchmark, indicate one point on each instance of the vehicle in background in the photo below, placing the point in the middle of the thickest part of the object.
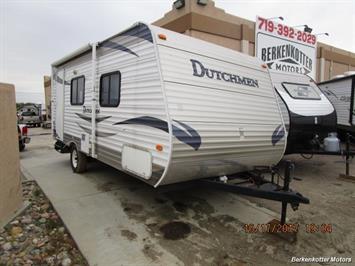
(31, 115)
(308, 114)
(340, 91)
(23, 138)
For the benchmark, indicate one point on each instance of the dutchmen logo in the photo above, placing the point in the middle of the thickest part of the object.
(287, 58)
(88, 110)
(199, 70)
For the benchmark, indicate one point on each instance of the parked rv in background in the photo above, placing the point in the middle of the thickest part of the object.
(340, 91)
(308, 115)
(31, 115)
(165, 107)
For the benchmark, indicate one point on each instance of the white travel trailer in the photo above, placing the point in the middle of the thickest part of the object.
(340, 92)
(165, 107)
(307, 113)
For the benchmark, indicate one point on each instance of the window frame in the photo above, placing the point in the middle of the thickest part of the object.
(109, 74)
(301, 84)
(77, 94)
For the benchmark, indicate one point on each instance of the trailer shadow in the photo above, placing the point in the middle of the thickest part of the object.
(197, 225)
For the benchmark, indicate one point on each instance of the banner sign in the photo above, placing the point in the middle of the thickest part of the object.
(284, 48)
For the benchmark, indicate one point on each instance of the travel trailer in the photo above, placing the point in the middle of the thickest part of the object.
(340, 91)
(31, 115)
(165, 107)
(308, 115)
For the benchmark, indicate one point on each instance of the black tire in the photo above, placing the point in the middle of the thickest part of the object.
(78, 160)
(22, 146)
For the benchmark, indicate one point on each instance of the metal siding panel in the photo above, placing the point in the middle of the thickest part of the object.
(235, 122)
(177, 67)
(339, 94)
(300, 106)
(141, 95)
(284, 112)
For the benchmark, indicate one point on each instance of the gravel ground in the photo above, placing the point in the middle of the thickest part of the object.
(37, 236)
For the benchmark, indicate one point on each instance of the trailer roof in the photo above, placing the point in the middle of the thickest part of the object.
(72, 55)
(336, 79)
(87, 47)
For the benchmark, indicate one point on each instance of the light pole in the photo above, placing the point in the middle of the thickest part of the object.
(323, 33)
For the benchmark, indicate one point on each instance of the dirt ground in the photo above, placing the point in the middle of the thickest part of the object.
(332, 202)
(221, 239)
(198, 226)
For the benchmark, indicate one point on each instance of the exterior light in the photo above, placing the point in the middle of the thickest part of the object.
(162, 36)
(306, 28)
(159, 147)
(202, 2)
(179, 4)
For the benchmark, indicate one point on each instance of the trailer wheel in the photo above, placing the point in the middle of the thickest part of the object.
(21, 146)
(78, 160)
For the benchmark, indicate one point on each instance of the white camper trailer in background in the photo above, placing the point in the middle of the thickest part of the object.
(165, 107)
(308, 115)
(340, 91)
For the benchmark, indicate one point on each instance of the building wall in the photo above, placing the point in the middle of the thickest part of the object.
(47, 95)
(215, 25)
(10, 183)
(220, 40)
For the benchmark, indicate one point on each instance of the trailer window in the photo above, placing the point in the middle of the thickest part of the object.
(77, 90)
(301, 91)
(110, 89)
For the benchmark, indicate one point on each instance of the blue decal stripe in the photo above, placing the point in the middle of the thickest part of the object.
(190, 136)
(97, 132)
(88, 118)
(141, 31)
(277, 135)
(146, 121)
(186, 135)
(116, 46)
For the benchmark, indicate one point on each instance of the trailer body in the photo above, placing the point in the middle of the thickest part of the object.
(308, 114)
(340, 92)
(165, 107)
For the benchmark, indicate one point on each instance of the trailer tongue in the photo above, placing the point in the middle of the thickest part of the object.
(254, 184)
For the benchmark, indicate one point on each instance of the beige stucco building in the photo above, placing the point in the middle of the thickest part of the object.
(10, 182)
(47, 95)
(213, 24)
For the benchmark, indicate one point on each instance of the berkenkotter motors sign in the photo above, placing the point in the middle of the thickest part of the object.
(284, 48)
